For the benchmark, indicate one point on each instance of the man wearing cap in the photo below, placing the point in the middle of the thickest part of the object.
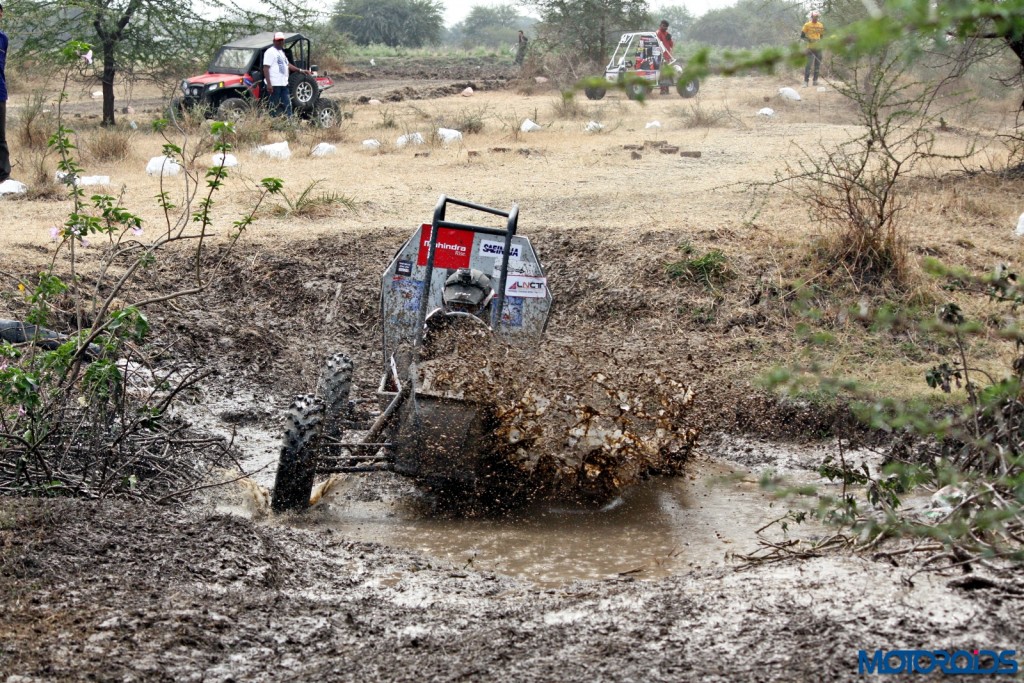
(811, 33)
(5, 153)
(276, 68)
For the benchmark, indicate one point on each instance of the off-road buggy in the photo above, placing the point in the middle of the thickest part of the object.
(485, 284)
(638, 65)
(233, 82)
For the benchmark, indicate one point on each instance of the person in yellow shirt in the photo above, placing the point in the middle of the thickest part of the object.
(811, 33)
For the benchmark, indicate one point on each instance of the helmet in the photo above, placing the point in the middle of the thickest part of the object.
(468, 290)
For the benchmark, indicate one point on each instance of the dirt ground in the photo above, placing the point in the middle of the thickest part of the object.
(120, 591)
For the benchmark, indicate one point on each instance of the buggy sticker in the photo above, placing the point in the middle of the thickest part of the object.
(452, 249)
(512, 312)
(408, 292)
(494, 249)
(520, 268)
(526, 286)
(404, 268)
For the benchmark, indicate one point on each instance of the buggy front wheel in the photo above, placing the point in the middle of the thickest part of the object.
(296, 467)
(687, 89)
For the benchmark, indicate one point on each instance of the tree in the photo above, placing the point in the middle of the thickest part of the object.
(749, 23)
(493, 27)
(589, 28)
(679, 19)
(406, 23)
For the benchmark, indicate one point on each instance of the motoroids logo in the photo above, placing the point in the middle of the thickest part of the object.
(976, 662)
(452, 249)
(527, 287)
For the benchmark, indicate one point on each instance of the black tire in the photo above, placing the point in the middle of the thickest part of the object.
(296, 468)
(326, 114)
(688, 89)
(333, 389)
(232, 109)
(304, 92)
(594, 93)
(637, 90)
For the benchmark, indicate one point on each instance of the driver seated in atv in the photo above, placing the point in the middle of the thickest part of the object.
(466, 310)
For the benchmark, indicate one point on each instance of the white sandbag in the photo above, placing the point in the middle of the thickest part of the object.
(277, 150)
(163, 166)
(323, 149)
(87, 180)
(468, 92)
(371, 143)
(449, 135)
(822, 88)
(767, 111)
(790, 94)
(529, 126)
(374, 101)
(224, 159)
(409, 139)
(1020, 226)
(12, 186)
(540, 79)
(593, 127)
(653, 124)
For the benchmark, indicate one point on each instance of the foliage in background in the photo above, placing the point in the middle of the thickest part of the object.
(495, 27)
(83, 400)
(409, 23)
(585, 31)
(969, 458)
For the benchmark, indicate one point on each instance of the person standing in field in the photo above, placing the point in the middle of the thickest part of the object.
(666, 41)
(5, 152)
(276, 68)
(521, 45)
(812, 33)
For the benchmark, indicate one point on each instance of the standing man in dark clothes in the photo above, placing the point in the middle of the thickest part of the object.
(5, 152)
(521, 44)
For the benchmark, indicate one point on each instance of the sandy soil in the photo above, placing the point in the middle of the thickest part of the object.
(117, 592)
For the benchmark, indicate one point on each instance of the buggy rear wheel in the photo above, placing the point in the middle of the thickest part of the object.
(594, 93)
(296, 467)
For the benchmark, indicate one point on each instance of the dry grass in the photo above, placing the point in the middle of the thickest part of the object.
(573, 182)
(108, 144)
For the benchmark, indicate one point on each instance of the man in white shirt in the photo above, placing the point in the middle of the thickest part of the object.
(276, 68)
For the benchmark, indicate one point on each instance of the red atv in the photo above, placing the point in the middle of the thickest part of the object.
(233, 83)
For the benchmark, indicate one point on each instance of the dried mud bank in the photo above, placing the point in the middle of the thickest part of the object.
(113, 592)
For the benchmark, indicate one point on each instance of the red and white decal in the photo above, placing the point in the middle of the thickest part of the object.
(452, 250)
(526, 286)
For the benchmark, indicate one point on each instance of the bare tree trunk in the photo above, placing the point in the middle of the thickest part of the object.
(108, 42)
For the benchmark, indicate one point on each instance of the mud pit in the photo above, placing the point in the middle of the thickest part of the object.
(369, 586)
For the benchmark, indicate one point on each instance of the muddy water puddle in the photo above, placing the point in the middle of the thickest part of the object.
(661, 527)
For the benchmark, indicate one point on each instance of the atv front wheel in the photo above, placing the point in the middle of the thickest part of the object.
(304, 91)
(594, 93)
(688, 89)
(326, 114)
(232, 109)
(296, 467)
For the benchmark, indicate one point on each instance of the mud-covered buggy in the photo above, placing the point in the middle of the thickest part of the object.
(463, 282)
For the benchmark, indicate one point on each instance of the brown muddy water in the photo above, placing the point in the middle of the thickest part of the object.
(661, 527)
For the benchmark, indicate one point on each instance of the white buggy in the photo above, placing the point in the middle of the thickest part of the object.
(639, 63)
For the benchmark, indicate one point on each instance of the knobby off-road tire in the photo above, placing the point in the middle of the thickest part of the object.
(233, 109)
(688, 89)
(333, 388)
(326, 114)
(296, 467)
(304, 92)
(594, 93)
(637, 90)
